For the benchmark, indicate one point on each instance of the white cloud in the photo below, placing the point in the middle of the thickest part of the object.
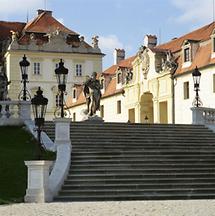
(19, 6)
(109, 43)
(196, 11)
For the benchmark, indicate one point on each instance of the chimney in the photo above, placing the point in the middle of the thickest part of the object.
(150, 41)
(119, 55)
(46, 11)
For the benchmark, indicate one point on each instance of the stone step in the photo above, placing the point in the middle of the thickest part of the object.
(119, 161)
(113, 171)
(127, 197)
(142, 150)
(138, 186)
(154, 180)
(145, 191)
(147, 165)
(125, 176)
(145, 153)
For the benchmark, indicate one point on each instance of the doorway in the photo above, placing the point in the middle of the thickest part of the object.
(163, 112)
(146, 110)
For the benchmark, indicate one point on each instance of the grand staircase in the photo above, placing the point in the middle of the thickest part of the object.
(120, 161)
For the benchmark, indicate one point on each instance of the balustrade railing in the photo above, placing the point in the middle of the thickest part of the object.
(12, 112)
(203, 115)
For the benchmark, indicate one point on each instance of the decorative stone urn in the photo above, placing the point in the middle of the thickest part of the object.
(38, 181)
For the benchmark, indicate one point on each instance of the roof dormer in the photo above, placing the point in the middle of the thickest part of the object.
(119, 79)
(189, 49)
(186, 54)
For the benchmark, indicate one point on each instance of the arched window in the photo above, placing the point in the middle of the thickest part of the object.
(119, 78)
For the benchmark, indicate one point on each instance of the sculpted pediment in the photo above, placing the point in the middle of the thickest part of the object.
(165, 62)
(145, 59)
(57, 42)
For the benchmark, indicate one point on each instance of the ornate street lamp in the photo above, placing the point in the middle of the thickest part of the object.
(196, 79)
(39, 105)
(61, 74)
(24, 64)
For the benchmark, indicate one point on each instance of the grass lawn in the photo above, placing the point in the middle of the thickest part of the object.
(16, 146)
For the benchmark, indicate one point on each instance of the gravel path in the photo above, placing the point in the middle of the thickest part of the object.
(132, 208)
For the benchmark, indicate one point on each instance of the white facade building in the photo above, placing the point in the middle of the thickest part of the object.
(45, 41)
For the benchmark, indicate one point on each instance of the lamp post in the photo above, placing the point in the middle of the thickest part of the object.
(39, 105)
(196, 79)
(61, 74)
(24, 64)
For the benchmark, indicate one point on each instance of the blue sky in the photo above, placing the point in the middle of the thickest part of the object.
(118, 23)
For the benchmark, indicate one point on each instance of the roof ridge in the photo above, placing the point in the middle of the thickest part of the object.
(192, 32)
(2, 21)
(35, 20)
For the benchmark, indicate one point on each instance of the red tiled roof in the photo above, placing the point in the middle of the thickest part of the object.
(200, 34)
(45, 23)
(126, 63)
(111, 70)
(111, 89)
(6, 27)
(202, 59)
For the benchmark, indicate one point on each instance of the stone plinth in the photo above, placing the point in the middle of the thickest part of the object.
(38, 181)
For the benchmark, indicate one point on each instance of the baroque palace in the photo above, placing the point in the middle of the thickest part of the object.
(153, 86)
(156, 85)
(44, 41)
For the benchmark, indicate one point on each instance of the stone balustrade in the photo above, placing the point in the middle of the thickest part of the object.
(14, 112)
(203, 115)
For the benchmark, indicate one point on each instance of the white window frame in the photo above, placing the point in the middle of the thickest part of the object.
(78, 70)
(186, 46)
(37, 68)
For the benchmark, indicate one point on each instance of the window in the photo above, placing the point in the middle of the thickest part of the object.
(118, 107)
(102, 83)
(74, 93)
(102, 111)
(119, 78)
(186, 90)
(36, 68)
(74, 116)
(186, 54)
(58, 100)
(78, 70)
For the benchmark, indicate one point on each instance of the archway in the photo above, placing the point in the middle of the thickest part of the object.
(146, 110)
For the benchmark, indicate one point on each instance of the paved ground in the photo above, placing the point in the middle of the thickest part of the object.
(138, 208)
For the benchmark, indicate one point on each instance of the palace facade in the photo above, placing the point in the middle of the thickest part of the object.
(156, 84)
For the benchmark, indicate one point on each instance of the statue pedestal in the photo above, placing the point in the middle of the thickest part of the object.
(94, 118)
(88, 118)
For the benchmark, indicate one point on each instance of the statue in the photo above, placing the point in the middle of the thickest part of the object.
(3, 85)
(14, 35)
(169, 63)
(3, 89)
(95, 42)
(92, 93)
